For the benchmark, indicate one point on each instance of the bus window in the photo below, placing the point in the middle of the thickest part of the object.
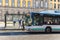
(51, 20)
(59, 20)
(48, 20)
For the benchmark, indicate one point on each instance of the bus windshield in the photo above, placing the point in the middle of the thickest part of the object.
(37, 19)
(28, 20)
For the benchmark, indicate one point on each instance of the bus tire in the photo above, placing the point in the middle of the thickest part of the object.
(48, 30)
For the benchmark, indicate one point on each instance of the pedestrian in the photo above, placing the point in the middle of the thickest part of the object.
(14, 23)
(23, 24)
(19, 23)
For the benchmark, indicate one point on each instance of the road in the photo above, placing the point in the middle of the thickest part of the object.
(29, 36)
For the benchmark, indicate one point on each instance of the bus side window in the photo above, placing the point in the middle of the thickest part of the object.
(41, 20)
(59, 20)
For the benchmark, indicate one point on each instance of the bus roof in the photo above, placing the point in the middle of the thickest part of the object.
(52, 12)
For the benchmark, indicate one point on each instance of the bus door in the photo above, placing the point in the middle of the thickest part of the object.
(37, 20)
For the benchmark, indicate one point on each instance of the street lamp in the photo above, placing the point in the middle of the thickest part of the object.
(23, 19)
(5, 18)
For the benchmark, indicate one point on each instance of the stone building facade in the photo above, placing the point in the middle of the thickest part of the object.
(35, 6)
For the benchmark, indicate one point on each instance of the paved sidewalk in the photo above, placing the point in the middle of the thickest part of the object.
(2, 25)
(9, 25)
(4, 31)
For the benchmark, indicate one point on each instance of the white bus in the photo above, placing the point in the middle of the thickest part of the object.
(44, 21)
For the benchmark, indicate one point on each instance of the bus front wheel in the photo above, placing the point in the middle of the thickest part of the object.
(48, 30)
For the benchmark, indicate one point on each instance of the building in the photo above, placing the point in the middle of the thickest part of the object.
(54, 4)
(41, 3)
(15, 6)
(16, 3)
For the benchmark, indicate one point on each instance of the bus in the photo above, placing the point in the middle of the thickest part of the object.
(44, 21)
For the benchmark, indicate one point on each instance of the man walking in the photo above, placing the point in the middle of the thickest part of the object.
(14, 23)
(19, 23)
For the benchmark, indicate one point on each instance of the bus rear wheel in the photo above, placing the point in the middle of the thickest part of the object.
(48, 30)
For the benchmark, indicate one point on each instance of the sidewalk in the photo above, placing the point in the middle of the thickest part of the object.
(2, 25)
(9, 25)
(1, 31)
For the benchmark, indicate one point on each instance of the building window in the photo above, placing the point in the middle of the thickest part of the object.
(33, 4)
(54, 0)
(41, 0)
(18, 3)
(7, 1)
(50, 5)
(58, 6)
(41, 3)
(37, 4)
(46, 5)
(0, 2)
(13, 3)
(58, 0)
(54, 5)
(29, 4)
(50, 0)
(24, 3)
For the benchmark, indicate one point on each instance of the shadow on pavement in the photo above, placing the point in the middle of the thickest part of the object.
(43, 33)
(26, 33)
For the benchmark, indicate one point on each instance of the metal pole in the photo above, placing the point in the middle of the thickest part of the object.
(23, 21)
(5, 20)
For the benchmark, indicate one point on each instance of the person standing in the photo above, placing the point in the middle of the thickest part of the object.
(14, 23)
(22, 24)
(19, 23)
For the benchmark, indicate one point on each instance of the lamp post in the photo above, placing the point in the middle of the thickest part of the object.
(23, 20)
(6, 18)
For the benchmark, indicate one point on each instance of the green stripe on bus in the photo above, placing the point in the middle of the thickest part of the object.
(44, 29)
(56, 29)
(37, 29)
